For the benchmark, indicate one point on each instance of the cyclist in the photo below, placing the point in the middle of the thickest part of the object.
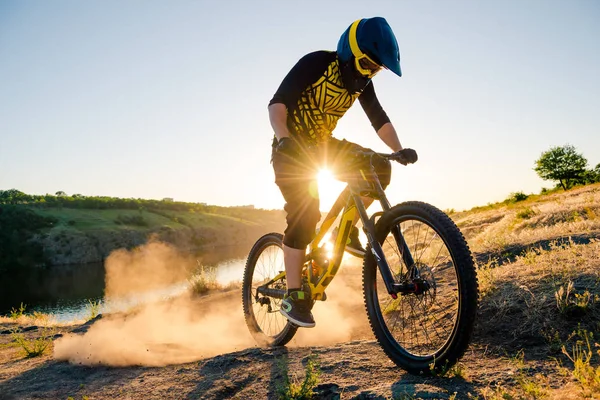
(304, 111)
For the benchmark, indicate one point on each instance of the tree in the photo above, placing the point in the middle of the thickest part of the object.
(562, 164)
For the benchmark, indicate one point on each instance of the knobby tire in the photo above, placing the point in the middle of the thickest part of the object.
(416, 358)
(283, 330)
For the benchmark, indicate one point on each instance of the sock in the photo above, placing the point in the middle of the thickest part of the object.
(293, 290)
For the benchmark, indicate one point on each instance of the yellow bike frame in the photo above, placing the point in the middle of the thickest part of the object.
(320, 275)
(318, 271)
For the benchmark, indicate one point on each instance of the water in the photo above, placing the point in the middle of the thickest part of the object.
(69, 292)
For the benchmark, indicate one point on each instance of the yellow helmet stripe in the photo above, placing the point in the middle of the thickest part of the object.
(353, 41)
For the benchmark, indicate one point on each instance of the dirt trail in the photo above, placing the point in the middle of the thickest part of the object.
(200, 348)
(351, 363)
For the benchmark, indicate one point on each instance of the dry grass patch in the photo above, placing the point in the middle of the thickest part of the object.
(34, 344)
(539, 218)
(205, 281)
(543, 290)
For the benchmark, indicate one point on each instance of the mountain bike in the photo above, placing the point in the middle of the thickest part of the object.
(419, 281)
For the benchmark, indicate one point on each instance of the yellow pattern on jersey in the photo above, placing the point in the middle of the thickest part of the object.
(320, 106)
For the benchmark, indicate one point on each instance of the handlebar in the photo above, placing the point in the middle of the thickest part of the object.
(399, 156)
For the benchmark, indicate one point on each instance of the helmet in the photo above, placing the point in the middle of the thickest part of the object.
(370, 41)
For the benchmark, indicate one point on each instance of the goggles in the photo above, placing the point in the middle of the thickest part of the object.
(364, 64)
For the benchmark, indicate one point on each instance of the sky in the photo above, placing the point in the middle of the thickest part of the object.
(153, 99)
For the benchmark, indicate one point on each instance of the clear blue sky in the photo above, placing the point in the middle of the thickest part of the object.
(157, 99)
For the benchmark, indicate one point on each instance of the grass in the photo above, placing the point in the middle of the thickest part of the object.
(16, 313)
(569, 302)
(540, 294)
(581, 355)
(93, 220)
(204, 280)
(526, 213)
(291, 388)
(85, 220)
(32, 347)
(457, 370)
(538, 297)
(93, 308)
(36, 346)
(486, 275)
(539, 217)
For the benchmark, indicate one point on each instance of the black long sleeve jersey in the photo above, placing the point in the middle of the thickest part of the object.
(315, 97)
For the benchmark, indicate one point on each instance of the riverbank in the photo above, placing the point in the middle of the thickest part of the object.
(81, 236)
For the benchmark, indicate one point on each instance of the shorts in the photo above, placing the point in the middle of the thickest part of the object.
(297, 181)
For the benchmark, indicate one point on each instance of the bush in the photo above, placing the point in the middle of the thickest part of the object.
(204, 281)
(136, 220)
(526, 213)
(517, 196)
(292, 388)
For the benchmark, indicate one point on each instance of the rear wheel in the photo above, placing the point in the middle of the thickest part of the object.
(265, 322)
(428, 330)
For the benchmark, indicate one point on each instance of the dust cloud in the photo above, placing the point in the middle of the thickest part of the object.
(171, 331)
(145, 268)
(189, 328)
(342, 317)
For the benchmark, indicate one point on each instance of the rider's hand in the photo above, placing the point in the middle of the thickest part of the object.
(406, 156)
(287, 146)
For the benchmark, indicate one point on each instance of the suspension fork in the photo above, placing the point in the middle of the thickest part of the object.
(376, 249)
(404, 250)
(392, 287)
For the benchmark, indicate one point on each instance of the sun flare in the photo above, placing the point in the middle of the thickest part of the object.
(329, 189)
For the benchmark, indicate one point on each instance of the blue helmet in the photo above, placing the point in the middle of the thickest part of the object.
(370, 39)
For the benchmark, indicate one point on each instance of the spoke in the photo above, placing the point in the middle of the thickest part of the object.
(422, 323)
(433, 237)
(267, 266)
(442, 246)
(435, 327)
(418, 234)
(424, 247)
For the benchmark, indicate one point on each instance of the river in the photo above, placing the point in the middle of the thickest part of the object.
(69, 293)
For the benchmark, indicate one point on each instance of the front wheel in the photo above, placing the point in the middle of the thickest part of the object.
(266, 324)
(428, 330)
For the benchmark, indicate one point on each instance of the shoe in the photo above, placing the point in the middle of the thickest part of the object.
(296, 308)
(353, 245)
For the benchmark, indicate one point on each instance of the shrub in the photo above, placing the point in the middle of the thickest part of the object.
(16, 313)
(570, 303)
(204, 281)
(516, 197)
(292, 388)
(136, 220)
(581, 355)
(37, 346)
(526, 213)
(32, 347)
(93, 308)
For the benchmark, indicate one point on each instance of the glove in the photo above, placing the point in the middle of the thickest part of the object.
(406, 156)
(288, 147)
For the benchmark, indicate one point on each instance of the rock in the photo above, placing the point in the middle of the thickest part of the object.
(30, 328)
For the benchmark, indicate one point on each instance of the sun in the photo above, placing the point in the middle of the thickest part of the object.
(329, 189)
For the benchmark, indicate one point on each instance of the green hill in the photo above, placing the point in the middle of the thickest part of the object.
(55, 230)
